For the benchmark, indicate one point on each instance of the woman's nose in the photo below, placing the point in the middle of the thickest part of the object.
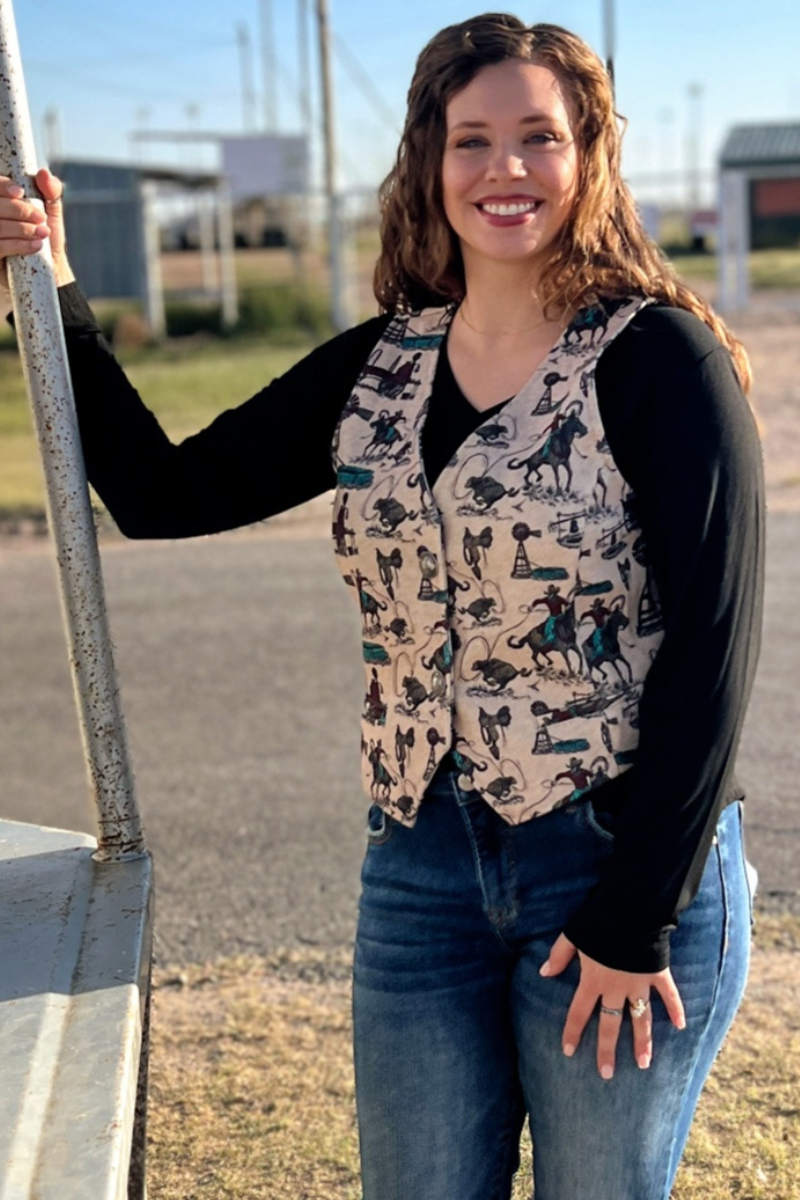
(505, 164)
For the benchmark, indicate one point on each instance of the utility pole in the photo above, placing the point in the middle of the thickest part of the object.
(269, 68)
(335, 258)
(304, 60)
(693, 150)
(52, 135)
(609, 31)
(246, 74)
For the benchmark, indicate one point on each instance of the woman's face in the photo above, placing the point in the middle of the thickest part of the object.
(510, 167)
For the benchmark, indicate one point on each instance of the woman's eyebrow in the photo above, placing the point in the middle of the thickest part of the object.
(532, 119)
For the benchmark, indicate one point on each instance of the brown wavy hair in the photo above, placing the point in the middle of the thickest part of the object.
(602, 249)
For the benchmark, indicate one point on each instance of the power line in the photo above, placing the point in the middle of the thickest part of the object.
(364, 83)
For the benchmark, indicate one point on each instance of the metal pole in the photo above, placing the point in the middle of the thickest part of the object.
(44, 361)
(155, 314)
(246, 72)
(304, 60)
(338, 304)
(230, 298)
(205, 222)
(268, 68)
(695, 94)
(610, 35)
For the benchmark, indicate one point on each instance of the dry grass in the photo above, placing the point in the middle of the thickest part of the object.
(252, 1093)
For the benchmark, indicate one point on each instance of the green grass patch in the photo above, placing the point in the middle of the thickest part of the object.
(252, 1092)
(769, 269)
(186, 383)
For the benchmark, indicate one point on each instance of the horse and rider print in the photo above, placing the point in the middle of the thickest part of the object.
(513, 599)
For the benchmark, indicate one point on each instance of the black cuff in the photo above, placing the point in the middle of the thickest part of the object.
(75, 311)
(622, 949)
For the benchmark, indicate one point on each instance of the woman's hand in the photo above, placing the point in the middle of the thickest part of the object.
(613, 989)
(24, 227)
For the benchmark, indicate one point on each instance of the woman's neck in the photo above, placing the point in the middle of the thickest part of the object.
(504, 304)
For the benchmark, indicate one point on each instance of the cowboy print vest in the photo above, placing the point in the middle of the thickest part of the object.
(508, 614)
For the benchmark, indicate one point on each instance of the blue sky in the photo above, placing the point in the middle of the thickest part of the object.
(109, 68)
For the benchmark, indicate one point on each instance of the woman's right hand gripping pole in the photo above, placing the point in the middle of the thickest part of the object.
(24, 227)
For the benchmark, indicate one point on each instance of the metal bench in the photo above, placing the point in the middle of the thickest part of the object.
(75, 940)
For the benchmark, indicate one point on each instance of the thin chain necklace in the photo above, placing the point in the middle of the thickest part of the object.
(527, 331)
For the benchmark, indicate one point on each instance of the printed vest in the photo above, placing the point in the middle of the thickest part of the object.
(508, 614)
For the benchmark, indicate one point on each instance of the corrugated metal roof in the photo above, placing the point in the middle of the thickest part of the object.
(748, 145)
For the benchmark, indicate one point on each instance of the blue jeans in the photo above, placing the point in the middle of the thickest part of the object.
(458, 1037)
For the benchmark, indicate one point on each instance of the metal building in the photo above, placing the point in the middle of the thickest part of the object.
(759, 201)
(112, 229)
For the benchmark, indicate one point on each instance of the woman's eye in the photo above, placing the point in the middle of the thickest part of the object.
(541, 139)
(468, 143)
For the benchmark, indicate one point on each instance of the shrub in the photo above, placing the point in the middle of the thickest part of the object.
(284, 309)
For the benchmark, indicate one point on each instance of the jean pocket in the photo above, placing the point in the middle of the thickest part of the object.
(600, 821)
(379, 826)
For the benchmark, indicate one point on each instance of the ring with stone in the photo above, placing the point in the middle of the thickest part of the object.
(611, 1012)
(639, 1007)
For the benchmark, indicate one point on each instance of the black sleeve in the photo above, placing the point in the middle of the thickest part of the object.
(683, 436)
(267, 455)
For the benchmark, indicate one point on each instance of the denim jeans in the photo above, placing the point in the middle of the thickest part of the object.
(458, 1037)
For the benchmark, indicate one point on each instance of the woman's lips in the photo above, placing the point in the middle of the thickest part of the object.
(508, 211)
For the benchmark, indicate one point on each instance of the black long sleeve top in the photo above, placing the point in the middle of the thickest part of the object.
(683, 437)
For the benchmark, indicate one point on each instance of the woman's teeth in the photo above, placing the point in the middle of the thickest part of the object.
(510, 210)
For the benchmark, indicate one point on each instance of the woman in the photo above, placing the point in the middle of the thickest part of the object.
(560, 601)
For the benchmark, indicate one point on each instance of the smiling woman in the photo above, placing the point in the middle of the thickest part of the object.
(510, 166)
(559, 603)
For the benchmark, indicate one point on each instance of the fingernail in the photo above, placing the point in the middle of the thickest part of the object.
(569, 1049)
(37, 244)
(42, 231)
(544, 969)
(682, 1023)
(607, 1071)
(644, 1061)
(15, 191)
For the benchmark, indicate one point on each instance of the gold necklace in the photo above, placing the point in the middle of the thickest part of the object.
(527, 331)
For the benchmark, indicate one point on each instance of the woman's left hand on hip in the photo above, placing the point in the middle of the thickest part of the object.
(612, 990)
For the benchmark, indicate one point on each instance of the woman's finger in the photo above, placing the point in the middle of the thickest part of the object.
(49, 184)
(668, 991)
(17, 246)
(641, 1011)
(561, 955)
(611, 1012)
(583, 1005)
(12, 190)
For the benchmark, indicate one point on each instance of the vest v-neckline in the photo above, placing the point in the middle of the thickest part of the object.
(526, 388)
(453, 385)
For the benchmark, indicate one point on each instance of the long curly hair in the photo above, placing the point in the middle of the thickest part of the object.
(602, 250)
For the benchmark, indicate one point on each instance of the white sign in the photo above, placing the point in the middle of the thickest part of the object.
(267, 164)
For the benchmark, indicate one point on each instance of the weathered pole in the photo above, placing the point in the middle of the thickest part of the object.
(44, 362)
(339, 313)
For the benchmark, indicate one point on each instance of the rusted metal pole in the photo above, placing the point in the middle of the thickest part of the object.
(44, 362)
